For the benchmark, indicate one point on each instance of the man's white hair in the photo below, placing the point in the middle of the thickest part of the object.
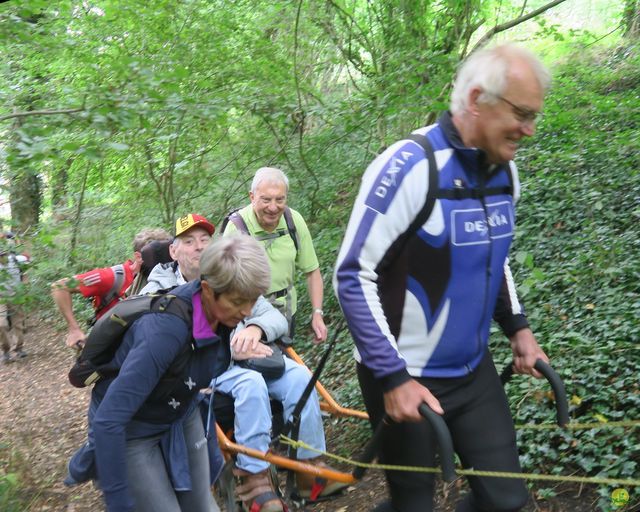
(269, 175)
(488, 69)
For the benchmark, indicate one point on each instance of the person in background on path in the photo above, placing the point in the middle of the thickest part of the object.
(106, 286)
(421, 273)
(12, 318)
(288, 243)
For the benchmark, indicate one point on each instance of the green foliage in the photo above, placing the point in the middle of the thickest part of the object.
(13, 471)
(576, 257)
(171, 106)
(9, 491)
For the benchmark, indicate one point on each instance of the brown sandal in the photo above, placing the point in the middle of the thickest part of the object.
(256, 492)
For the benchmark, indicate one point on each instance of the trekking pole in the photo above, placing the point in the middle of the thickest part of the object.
(562, 406)
(444, 442)
(292, 427)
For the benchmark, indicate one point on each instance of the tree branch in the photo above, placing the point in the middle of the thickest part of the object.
(510, 24)
(300, 107)
(41, 113)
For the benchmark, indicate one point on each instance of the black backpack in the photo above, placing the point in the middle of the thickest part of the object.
(153, 253)
(236, 219)
(95, 360)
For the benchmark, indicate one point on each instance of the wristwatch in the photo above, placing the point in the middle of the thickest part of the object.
(319, 311)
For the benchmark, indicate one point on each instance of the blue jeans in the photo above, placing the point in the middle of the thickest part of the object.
(149, 482)
(252, 424)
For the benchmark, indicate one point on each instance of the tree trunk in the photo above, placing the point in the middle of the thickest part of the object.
(631, 19)
(24, 189)
(58, 184)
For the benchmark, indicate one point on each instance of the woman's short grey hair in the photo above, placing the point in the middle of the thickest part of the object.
(269, 175)
(236, 264)
(488, 69)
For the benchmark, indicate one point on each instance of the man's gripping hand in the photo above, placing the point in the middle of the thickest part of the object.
(76, 339)
(401, 403)
(526, 352)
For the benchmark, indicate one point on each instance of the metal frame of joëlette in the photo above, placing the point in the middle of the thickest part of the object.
(327, 404)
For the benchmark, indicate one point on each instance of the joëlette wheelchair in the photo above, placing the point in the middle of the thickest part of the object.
(223, 406)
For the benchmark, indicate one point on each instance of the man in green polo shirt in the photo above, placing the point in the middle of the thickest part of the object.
(288, 243)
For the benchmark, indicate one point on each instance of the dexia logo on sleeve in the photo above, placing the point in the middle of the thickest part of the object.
(388, 181)
(472, 227)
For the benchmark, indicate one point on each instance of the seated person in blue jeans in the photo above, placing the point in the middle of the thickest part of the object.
(252, 425)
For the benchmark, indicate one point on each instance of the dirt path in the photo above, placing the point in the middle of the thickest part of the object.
(42, 421)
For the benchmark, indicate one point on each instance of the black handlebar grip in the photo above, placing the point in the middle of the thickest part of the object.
(285, 341)
(371, 449)
(445, 444)
(562, 406)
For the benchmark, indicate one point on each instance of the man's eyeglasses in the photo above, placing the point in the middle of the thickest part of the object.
(524, 115)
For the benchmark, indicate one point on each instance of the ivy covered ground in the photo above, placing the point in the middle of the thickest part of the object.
(42, 421)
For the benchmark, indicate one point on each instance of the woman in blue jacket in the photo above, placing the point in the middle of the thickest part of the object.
(151, 453)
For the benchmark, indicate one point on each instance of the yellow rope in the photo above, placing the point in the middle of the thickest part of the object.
(580, 426)
(620, 482)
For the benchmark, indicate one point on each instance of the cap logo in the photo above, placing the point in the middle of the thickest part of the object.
(184, 222)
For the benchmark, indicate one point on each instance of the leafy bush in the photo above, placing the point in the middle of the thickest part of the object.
(8, 492)
(11, 470)
(577, 258)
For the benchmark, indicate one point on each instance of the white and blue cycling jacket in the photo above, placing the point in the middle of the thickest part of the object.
(419, 299)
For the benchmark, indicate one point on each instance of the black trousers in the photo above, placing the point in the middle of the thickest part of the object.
(478, 416)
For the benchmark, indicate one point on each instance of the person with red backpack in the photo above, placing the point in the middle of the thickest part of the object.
(105, 286)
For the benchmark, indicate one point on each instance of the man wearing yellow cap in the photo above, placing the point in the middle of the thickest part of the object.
(193, 233)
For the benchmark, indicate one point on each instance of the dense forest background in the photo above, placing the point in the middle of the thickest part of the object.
(121, 115)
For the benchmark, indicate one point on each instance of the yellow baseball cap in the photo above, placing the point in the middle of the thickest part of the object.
(185, 223)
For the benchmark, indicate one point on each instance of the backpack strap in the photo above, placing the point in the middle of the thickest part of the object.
(114, 291)
(237, 220)
(432, 192)
(454, 193)
(170, 303)
(291, 227)
(474, 193)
